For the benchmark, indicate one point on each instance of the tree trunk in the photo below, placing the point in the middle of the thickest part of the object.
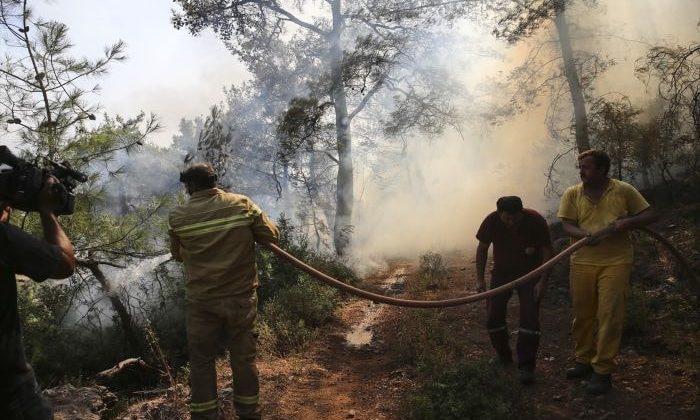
(123, 202)
(312, 191)
(580, 118)
(344, 181)
(619, 169)
(646, 181)
(666, 181)
(127, 323)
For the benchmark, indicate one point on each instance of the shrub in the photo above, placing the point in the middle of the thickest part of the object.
(275, 274)
(55, 319)
(467, 391)
(267, 339)
(431, 274)
(288, 332)
(296, 311)
(427, 340)
(50, 337)
(293, 305)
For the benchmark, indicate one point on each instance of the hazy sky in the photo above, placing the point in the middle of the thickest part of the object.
(175, 75)
(169, 72)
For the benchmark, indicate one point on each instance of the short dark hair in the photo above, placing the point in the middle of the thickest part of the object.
(601, 159)
(509, 204)
(200, 174)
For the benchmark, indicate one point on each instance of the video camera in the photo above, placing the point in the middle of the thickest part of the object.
(21, 184)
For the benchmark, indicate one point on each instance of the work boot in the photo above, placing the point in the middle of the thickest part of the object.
(579, 371)
(527, 376)
(206, 415)
(599, 384)
(504, 362)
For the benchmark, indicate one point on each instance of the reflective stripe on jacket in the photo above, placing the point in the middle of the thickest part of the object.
(213, 234)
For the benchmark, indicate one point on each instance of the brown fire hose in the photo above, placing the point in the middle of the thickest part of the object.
(532, 275)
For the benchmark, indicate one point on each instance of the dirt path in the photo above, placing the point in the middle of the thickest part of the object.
(336, 379)
(349, 372)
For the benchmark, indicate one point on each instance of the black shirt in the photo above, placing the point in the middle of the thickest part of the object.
(515, 252)
(20, 253)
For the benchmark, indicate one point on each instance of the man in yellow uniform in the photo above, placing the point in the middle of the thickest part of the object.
(600, 272)
(214, 234)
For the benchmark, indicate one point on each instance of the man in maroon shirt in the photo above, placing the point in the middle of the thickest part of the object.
(521, 243)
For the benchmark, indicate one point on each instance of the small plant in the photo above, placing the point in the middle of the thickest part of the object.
(267, 339)
(427, 340)
(289, 332)
(431, 273)
(467, 391)
(295, 312)
(157, 352)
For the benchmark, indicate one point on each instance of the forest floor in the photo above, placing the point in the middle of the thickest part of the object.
(336, 379)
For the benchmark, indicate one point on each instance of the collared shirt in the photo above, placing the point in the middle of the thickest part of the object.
(619, 200)
(518, 251)
(20, 253)
(214, 234)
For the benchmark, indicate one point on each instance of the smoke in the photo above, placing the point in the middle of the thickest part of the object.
(435, 195)
(139, 272)
(442, 189)
(625, 30)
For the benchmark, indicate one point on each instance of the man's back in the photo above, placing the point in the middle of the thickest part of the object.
(216, 231)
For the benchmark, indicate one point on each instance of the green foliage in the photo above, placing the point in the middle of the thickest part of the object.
(427, 340)
(164, 303)
(275, 274)
(298, 126)
(431, 274)
(309, 300)
(287, 332)
(45, 85)
(50, 337)
(295, 312)
(294, 305)
(267, 338)
(467, 391)
(64, 341)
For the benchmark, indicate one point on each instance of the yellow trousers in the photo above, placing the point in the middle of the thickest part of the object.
(598, 295)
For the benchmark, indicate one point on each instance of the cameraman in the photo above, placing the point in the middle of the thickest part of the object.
(21, 253)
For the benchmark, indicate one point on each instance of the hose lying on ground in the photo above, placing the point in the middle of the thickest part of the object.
(532, 275)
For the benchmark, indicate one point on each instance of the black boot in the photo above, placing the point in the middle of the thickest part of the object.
(527, 376)
(599, 384)
(579, 371)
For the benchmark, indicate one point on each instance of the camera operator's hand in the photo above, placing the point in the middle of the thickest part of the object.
(50, 196)
(49, 201)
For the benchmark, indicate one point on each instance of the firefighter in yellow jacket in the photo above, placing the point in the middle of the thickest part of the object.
(214, 235)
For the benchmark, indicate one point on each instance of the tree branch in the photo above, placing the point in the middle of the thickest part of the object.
(271, 5)
(366, 98)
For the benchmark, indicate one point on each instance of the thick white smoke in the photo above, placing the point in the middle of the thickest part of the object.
(441, 190)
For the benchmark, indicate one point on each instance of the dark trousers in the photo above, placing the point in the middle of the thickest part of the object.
(529, 331)
(25, 403)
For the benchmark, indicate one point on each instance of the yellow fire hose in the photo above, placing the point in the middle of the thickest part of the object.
(532, 275)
